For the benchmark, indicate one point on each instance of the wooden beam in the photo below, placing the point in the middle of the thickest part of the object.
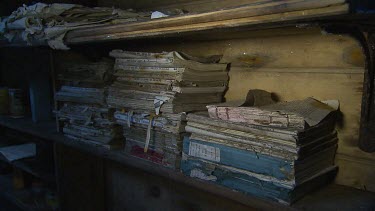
(264, 7)
(367, 126)
(158, 27)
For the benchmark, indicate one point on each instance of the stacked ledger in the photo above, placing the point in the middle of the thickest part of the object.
(152, 92)
(265, 151)
(83, 111)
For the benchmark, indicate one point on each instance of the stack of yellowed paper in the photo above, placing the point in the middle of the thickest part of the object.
(278, 151)
(83, 110)
(152, 92)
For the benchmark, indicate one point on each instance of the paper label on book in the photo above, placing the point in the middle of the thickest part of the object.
(204, 152)
(199, 174)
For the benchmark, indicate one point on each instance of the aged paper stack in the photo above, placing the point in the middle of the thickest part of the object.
(278, 151)
(87, 74)
(48, 23)
(152, 92)
(83, 111)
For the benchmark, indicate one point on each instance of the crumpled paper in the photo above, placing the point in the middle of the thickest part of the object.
(50, 22)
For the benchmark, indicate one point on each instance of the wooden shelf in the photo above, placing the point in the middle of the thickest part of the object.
(23, 199)
(251, 16)
(259, 14)
(47, 131)
(32, 167)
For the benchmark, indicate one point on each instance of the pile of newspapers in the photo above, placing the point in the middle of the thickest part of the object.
(83, 109)
(152, 93)
(278, 151)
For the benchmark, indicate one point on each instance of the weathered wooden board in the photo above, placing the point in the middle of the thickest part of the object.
(134, 189)
(259, 8)
(187, 5)
(249, 15)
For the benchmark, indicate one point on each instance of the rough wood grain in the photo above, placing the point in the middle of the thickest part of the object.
(153, 28)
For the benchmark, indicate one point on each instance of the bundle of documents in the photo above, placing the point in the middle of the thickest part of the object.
(171, 82)
(81, 95)
(84, 112)
(93, 74)
(91, 124)
(151, 93)
(154, 138)
(40, 23)
(236, 147)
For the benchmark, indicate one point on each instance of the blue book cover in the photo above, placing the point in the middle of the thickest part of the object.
(258, 163)
(257, 185)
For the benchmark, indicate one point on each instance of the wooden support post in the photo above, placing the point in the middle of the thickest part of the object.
(367, 130)
(53, 81)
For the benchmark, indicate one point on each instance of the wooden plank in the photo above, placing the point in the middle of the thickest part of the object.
(124, 159)
(256, 9)
(367, 135)
(127, 160)
(169, 26)
(30, 166)
(45, 130)
(128, 188)
(186, 5)
(120, 157)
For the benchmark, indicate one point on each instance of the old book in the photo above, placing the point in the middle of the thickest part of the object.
(97, 134)
(155, 87)
(85, 114)
(94, 73)
(293, 135)
(81, 95)
(166, 158)
(167, 82)
(170, 74)
(258, 185)
(173, 96)
(295, 114)
(279, 168)
(166, 60)
(158, 139)
(302, 152)
(90, 123)
(276, 150)
(172, 123)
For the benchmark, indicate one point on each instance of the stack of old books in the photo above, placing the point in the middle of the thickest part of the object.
(152, 92)
(83, 109)
(88, 74)
(277, 151)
